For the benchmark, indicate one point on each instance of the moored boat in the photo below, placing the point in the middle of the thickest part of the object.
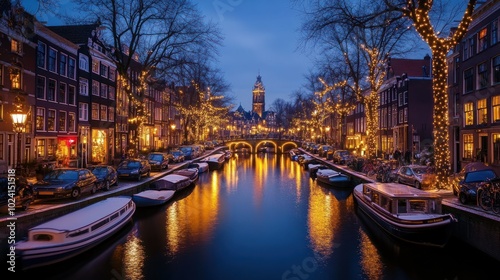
(191, 173)
(215, 161)
(406, 213)
(174, 182)
(149, 198)
(202, 166)
(314, 167)
(74, 233)
(332, 178)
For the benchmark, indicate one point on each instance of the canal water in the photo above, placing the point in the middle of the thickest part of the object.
(262, 217)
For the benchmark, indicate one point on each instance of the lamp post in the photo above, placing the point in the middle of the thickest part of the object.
(172, 126)
(18, 125)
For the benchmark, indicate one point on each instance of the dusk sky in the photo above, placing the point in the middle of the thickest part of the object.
(260, 36)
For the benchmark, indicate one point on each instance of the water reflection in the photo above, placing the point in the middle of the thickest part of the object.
(133, 259)
(370, 258)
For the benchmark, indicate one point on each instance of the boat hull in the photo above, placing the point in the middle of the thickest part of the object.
(150, 198)
(36, 255)
(436, 234)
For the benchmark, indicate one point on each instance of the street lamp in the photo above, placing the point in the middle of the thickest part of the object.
(18, 125)
(172, 126)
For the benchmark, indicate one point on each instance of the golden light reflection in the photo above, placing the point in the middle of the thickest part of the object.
(230, 173)
(295, 172)
(191, 219)
(261, 169)
(133, 259)
(323, 220)
(370, 258)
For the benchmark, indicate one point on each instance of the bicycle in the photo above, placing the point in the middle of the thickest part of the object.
(489, 195)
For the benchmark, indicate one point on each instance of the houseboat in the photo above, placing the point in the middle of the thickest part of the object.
(406, 213)
(74, 233)
(174, 182)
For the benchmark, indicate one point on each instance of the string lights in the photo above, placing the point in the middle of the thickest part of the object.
(418, 12)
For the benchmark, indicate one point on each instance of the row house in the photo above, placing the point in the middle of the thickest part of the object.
(474, 90)
(405, 114)
(56, 108)
(17, 87)
(96, 94)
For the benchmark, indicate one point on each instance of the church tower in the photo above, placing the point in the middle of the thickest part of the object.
(259, 97)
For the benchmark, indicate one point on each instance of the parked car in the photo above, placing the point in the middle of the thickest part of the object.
(20, 193)
(106, 176)
(189, 152)
(177, 156)
(158, 161)
(134, 169)
(341, 156)
(457, 177)
(66, 182)
(467, 188)
(209, 145)
(415, 175)
(324, 149)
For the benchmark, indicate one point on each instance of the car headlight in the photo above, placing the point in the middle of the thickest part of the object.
(134, 172)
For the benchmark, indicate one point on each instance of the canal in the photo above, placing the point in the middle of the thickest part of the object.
(262, 217)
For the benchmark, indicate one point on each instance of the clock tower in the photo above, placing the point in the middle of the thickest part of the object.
(259, 97)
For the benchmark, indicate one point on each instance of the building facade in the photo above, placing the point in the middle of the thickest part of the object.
(474, 90)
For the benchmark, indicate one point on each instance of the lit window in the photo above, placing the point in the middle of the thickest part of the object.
(95, 88)
(468, 146)
(95, 66)
(15, 78)
(16, 46)
(482, 40)
(40, 119)
(62, 121)
(95, 111)
(104, 113)
(495, 106)
(482, 112)
(469, 113)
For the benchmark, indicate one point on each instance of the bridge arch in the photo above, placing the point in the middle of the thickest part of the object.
(254, 144)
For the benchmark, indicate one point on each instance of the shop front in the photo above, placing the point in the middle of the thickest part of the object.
(99, 150)
(66, 154)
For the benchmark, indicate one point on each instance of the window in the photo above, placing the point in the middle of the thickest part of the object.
(405, 115)
(104, 90)
(15, 78)
(401, 116)
(111, 114)
(16, 46)
(51, 90)
(71, 95)
(62, 121)
(62, 93)
(40, 147)
(400, 99)
(112, 74)
(95, 111)
(482, 40)
(468, 80)
(95, 88)
(104, 113)
(83, 111)
(104, 70)
(71, 68)
(496, 70)
(482, 75)
(83, 62)
(40, 119)
(482, 112)
(469, 113)
(40, 87)
(51, 120)
(63, 61)
(40, 55)
(472, 50)
(465, 50)
(494, 32)
(468, 146)
(95, 66)
(52, 60)
(495, 107)
(84, 87)
(71, 122)
(111, 92)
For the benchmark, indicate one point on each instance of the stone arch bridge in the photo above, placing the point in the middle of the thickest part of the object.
(254, 145)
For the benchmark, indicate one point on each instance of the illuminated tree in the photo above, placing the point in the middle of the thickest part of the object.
(418, 11)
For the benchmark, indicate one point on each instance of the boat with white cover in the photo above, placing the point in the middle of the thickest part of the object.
(74, 233)
(171, 182)
(215, 161)
(149, 198)
(202, 166)
(332, 178)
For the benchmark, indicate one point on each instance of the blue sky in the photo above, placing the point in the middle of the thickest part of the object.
(260, 36)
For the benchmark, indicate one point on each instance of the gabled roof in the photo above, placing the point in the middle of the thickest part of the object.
(78, 34)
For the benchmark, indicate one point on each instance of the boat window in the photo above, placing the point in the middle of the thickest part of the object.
(42, 237)
(375, 197)
(78, 233)
(100, 224)
(386, 203)
(366, 190)
(401, 206)
(417, 206)
(122, 211)
(114, 216)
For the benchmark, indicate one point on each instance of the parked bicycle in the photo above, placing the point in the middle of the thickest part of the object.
(489, 195)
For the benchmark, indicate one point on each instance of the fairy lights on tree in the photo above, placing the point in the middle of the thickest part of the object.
(418, 13)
